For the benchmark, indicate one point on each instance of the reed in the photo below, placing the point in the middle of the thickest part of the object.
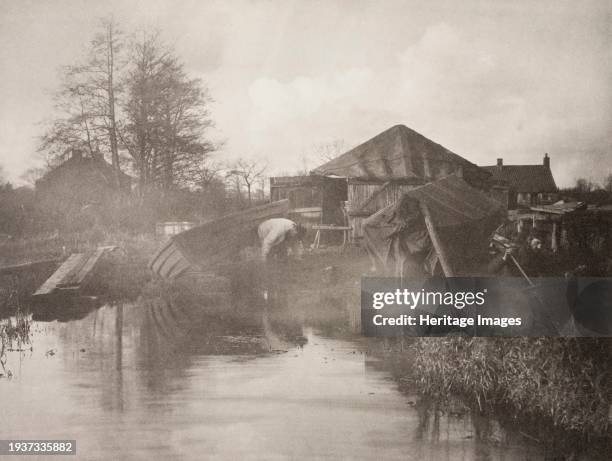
(563, 381)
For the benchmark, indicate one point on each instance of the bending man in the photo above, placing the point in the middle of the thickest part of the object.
(277, 235)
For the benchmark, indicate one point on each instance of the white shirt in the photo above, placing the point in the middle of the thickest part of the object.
(273, 232)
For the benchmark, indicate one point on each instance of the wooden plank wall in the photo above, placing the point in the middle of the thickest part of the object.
(374, 197)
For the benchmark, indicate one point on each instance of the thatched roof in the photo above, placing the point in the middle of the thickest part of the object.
(84, 169)
(399, 153)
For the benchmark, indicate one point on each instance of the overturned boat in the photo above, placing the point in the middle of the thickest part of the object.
(213, 243)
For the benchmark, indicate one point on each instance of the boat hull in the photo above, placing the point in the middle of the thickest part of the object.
(214, 243)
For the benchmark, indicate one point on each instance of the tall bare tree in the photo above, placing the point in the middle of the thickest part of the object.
(184, 117)
(249, 172)
(86, 101)
(166, 117)
(74, 126)
(105, 47)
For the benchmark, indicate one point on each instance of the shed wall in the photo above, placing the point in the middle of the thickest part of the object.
(365, 199)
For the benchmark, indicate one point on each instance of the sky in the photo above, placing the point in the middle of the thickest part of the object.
(485, 79)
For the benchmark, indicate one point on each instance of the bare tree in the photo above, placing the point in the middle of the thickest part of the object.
(208, 174)
(184, 118)
(584, 185)
(87, 101)
(248, 172)
(133, 97)
(75, 127)
(607, 183)
(325, 152)
(166, 117)
(105, 46)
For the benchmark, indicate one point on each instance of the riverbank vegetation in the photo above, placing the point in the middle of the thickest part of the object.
(557, 391)
(564, 381)
(554, 391)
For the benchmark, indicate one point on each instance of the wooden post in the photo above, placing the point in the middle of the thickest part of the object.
(119, 336)
(437, 243)
(554, 244)
(119, 355)
(516, 263)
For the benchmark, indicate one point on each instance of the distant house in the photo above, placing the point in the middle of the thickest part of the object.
(79, 184)
(524, 185)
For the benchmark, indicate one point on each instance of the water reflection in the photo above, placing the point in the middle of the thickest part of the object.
(180, 377)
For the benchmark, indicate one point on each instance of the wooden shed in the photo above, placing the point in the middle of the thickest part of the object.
(380, 170)
(312, 199)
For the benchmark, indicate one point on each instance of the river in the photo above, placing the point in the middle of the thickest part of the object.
(150, 381)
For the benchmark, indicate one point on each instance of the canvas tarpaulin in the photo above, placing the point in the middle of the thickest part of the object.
(462, 216)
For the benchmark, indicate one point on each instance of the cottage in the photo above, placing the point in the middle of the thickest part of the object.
(377, 172)
(82, 174)
(79, 185)
(524, 185)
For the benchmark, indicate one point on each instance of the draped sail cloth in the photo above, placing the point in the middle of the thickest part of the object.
(461, 216)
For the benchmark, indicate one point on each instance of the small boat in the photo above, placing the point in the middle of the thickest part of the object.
(213, 243)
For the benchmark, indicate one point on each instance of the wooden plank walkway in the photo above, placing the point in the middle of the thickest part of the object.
(73, 272)
(51, 283)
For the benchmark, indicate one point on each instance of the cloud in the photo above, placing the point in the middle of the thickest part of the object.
(443, 70)
(429, 86)
(286, 76)
(476, 97)
(283, 120)
(275, 103)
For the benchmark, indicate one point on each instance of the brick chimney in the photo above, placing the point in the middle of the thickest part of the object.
(500, 162)
(546, 160)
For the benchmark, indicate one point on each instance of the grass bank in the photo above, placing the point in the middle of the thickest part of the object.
(557, 391)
